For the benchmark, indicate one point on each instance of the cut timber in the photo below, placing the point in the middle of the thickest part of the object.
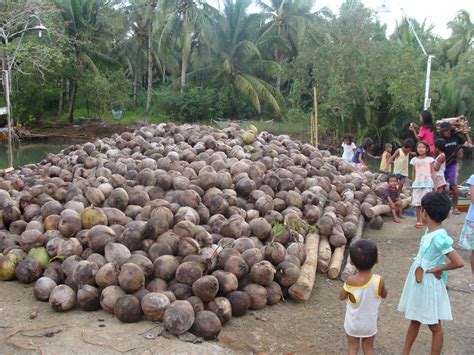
(350, 269)
(301, 289)
(382, 209)
(324, 254)
(336, 262)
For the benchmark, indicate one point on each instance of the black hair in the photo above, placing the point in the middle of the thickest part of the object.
(391, 176)
(348, 136)
(388, 144)
(367, 143)
(363, 254)
(408, 143)
(437, 205)
(427, 146)
(440, 143)
(427, 119)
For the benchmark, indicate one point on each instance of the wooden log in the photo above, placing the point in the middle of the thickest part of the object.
(350, 269)
(301, 289)
(382, 209)
(336, 262)
(325, 253)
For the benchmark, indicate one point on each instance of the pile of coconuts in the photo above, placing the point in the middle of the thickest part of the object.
(175, 224)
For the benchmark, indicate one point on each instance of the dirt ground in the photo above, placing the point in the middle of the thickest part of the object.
(313, 327)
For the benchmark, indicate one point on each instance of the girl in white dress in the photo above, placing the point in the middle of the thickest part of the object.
(348, 148)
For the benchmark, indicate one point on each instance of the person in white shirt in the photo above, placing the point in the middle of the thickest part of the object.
(348, 147)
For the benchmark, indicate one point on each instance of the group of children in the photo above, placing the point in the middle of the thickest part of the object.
(424, 299)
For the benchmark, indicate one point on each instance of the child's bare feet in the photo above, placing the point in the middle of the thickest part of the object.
(401, 216)
(396, 220)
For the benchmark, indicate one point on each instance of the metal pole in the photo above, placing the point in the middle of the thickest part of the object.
(6, 85)
(427, 86)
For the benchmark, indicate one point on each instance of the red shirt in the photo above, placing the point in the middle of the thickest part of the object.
(427, 135)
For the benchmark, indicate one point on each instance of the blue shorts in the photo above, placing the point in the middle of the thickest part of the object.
(401, 177)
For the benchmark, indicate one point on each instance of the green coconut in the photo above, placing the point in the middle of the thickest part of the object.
(40, 255)
(248, 138)
(7, 268)
(92, 216)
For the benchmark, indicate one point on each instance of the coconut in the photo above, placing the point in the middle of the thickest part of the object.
(274, 293)
(179, 317)
(181, 291)
(275, 253)
(206, 325)
(222, 308)
(118, 199)
(84, 273)
(93, 216)
(262, 273)
(116, 253)
(7, 268)
(97, 259)
(165, 267)
(237, 266)
(69, 247)
(260, 228)
(31, 239)
(18, 227)
(28, 271)
(70, 223)
(298, 250)
(141, 293)
(188, 272)
(258, 295)
(240, 302)
(131, 277)
(228, 282)
(128, 309)
(43, 288)
(109, 297)
(154, 305)
(40, 255)
(143, 262)
(376, 222)
(69, 264)
(287, 273)
(88, 298)
(197, 304)
(188, 246)
(107, 275)
(51, 222)
(62, 298)
(99, 236)
(206, 288)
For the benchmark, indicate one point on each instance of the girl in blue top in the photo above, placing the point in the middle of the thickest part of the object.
(424, 298)
(359, 156)
(466, 241)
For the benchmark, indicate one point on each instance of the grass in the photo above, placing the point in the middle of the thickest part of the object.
(300, 129)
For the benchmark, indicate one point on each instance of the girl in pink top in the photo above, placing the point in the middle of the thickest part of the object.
(426, 132)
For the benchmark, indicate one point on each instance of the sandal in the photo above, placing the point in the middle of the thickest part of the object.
(419, 225)
(471, 287)
(456, 212)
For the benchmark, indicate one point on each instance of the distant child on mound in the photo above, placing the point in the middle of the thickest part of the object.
(362, 292)
(424, 178)
(424, 298)
(400, 161)
(360, 154)
(384, 167)
(348, 147)
(440, 164)
(391, 197)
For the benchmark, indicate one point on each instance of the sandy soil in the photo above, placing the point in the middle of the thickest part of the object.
(314, 327)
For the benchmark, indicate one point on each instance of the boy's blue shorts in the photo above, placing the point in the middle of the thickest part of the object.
(401, 177)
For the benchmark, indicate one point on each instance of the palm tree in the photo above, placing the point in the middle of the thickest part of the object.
(462, 35)
(83, 30)
(284, 27)
(237, 60)
(189, 23)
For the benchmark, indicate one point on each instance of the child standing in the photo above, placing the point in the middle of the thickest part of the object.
(426, 132)
(466, 241)
(384, 166)
(362, 292)
(440, 164)
(424, 298)
(391, 197)
(359, 156)
(348, 147)
(423, 178)
(400, 162)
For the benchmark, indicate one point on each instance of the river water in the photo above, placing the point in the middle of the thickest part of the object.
(33, 152)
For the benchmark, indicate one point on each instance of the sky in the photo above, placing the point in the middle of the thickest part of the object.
(436, 12)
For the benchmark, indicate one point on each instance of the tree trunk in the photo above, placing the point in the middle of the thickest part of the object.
(382, 209)
(70, 114)
(61, 98)
(135, 90)
(324, 254)
(301, 289)
(150, 67)
(336, 262)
